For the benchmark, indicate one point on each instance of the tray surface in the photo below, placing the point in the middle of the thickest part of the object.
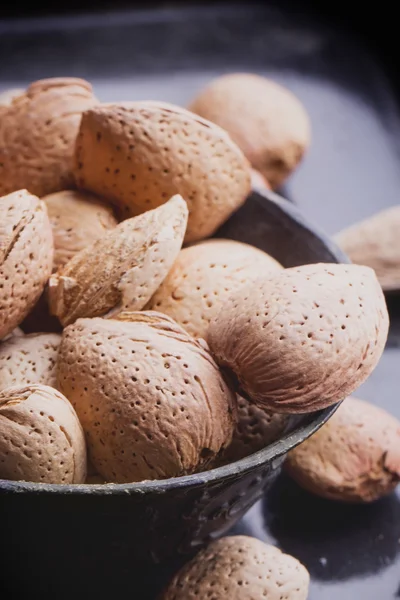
(351, 171)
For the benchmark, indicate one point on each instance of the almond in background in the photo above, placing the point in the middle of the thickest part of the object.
(265, 120)
(375, 242)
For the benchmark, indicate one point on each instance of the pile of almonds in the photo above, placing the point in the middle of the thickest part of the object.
(154, 353)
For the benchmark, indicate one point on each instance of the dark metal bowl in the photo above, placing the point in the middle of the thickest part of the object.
(102, 539)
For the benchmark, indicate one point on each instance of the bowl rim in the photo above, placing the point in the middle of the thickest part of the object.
(312, 421)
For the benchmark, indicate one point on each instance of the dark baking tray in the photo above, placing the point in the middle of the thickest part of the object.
(351, 171)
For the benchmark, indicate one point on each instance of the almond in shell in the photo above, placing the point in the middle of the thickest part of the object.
(303, 338)
(151, 400)
(240, 568)
(265, 120)
(122, 270)
(139, 154)
(41, 439)
(375, 243)
(202, 279)
(26, 256)
(38, 130)
(354, 457)
(29, 359)
(78, 219)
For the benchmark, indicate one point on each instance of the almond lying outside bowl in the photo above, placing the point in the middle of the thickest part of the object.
(26, 256)
(375, 243)
(303, 338)
(151, 400)
(38, 130)
(77, 219)
(265, 120)
(240, 568)
(29, 359)
(139, 154)
(354, 457)
(123, 269)
(41, 439)
(202, 279)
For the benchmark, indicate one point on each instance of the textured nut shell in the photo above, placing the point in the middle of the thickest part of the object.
(258, 181)
(41, 438)
(29, 359)
(303, 338)
(240, 568)
(26, 256)
(140, 154)
(151, 400)
(122, 270)
(375, 243)
(202, 279)
(8, 96)
(37, 135)
(255, 429)
(78, 219)
(354, 457)
(265, 120)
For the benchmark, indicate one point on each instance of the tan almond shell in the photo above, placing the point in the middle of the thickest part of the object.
(258, 181)
(304, 338)
(354, 457)
(41, 439)
(240, 568)
(37, 135)
(375, 243)
(265, 120)
(8, 96)
(78, 219)
(29, 359)
(151, 400)
(256, 428)
(139, 154)
(202, 279)
(123, 269)
(26, 256)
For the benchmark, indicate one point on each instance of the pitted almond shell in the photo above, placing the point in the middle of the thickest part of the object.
(139, 154)
(41, 439)
(26, 256)
(29, 359)
(38, 131)
(354, 457)
(202, 279)
(375, 243)
(122, 270)
(151, 400)
(78, 219)
(303, 338)
(240, 568)
(256, 428)
(265, 120)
